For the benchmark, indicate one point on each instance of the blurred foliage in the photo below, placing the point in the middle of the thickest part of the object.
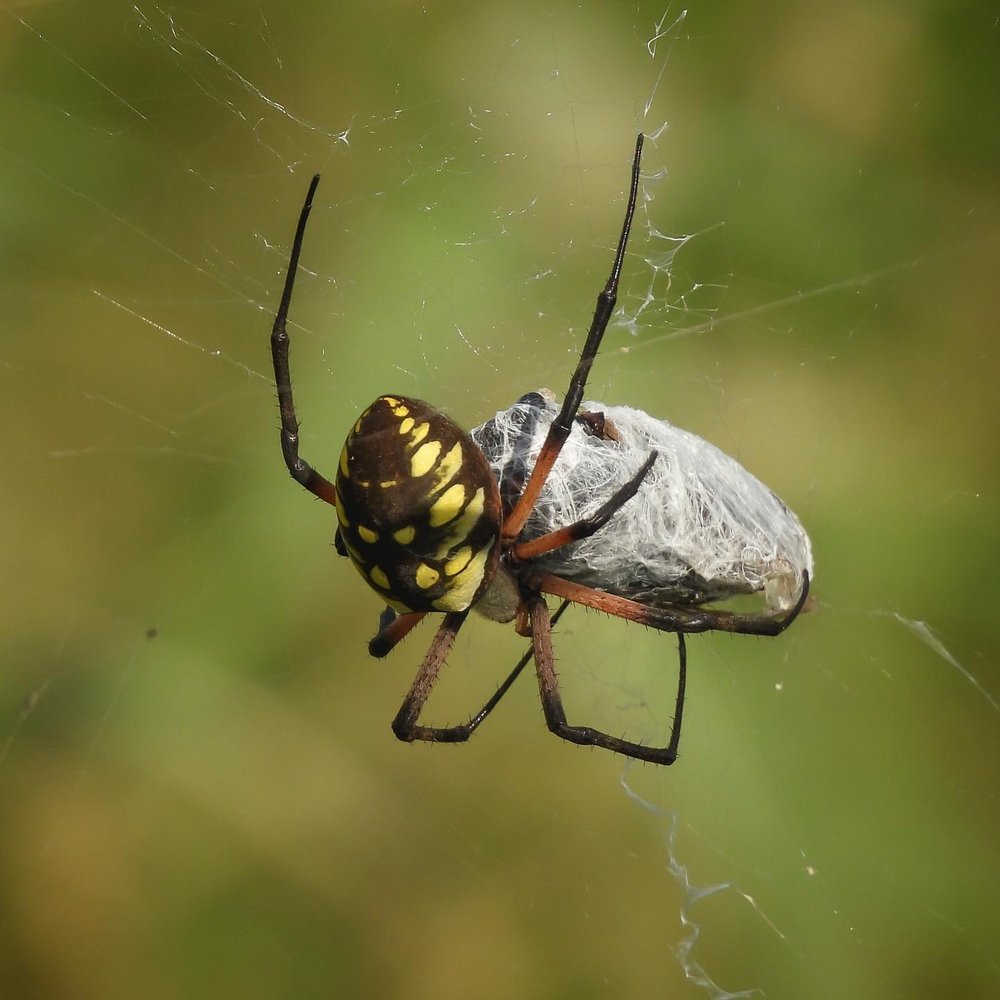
(201, 793)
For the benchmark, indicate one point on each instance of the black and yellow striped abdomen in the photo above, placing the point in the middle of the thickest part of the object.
(418, 506)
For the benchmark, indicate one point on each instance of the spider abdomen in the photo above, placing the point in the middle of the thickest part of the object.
(418, 507)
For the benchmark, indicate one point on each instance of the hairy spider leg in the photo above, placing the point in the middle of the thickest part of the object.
(393, 629)
(404, 725)
(555, 716)
(561, 426)
(678, 620)
(586, 526)
(302, 472)
(689, 620)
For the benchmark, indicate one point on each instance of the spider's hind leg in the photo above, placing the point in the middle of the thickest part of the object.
(673, 619)
(555, 715)
(405, 724)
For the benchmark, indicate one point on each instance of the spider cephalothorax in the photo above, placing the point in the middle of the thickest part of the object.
(437, 520)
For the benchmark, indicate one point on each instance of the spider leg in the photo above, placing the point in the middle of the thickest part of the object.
(673, 619)
(392, 629)
(561, 426)
(459, 734)
(405, 724)
(473, 723)
(555, 715)
(586, 526)
(302, 472)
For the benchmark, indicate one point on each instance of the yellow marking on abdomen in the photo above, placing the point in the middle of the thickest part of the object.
(405, 535)
(341, 516)
(463, 525)
(388, 483)
(400, 411)
(463, 587)
(458, 561)
(424, 458)
(378, 577)
(448, 467)
(407, 425)
(356, 557)
(426, 576)
(344, 466)
(367, 535)
(447, 506)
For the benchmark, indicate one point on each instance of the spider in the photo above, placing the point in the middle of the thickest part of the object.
(424, 519)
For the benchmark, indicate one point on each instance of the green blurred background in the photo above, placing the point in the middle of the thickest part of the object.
(219, 808)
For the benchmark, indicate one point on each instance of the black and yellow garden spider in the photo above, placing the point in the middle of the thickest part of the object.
(425, 521)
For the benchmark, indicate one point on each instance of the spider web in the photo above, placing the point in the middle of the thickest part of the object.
(200, 788)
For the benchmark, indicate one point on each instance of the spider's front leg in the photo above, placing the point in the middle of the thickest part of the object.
(560, 428)
(301, 471)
